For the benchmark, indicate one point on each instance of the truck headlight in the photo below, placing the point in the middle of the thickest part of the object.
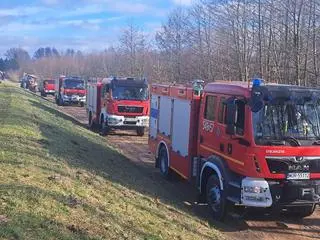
(114, 120)
(255, 189)
(255, 192)
(255, 198)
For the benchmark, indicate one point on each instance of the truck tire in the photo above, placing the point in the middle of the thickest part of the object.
(60, 102)
(164, 163)
(104, 128)
(82, 104)
(140, 131)
(301, 212)
(91, 123)
(216, 198)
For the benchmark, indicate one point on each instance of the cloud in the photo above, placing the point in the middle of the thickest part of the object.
(122, 7)
(183, 2)
(20, 11)
(51, 2)
(32, 43)
(80, 24)
(37, 26)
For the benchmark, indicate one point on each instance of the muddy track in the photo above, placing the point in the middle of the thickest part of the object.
(252, 225)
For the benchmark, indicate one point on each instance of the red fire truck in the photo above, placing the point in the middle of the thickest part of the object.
(255, 145)
(70, 90)
(47, 86)
(118, 103)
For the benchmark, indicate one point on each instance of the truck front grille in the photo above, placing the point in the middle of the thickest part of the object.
(284, 165)
(130, 109)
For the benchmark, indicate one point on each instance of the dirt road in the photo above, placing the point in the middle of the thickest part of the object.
(253, 225)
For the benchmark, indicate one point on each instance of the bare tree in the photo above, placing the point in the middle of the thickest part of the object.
(133, 46)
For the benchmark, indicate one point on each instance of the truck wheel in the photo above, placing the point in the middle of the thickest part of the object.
(216, 198)
(91, 124)
(301, 212)
(61, 102)
(82, 104)
(164, 163)
(140, 131)
(104, 128)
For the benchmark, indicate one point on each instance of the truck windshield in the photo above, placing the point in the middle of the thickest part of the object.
(130, 93)
(73, 84)
(49, 81)
(279, 120)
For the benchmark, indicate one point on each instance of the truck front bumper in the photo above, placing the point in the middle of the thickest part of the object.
(74, 99)
(49, 91)
(266, 193)
(295, 192)
(127, 122)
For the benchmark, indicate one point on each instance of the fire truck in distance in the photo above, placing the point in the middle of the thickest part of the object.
(70, 90)
(250, 145)
(46, 87)
(118, 103)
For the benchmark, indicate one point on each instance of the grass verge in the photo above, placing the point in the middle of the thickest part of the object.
(61, 181)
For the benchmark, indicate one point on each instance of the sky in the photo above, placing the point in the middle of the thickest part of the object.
(86, 25)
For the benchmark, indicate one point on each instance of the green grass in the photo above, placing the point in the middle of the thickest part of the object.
(61, 181)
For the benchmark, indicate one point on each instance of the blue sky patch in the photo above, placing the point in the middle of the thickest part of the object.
(86, 25)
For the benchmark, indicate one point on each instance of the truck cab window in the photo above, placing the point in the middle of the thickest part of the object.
(240, 117)
(105, 90)
(222, 109)
(210, 107)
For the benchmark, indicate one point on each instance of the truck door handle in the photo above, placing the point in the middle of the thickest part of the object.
(221, 147)
(229, 148)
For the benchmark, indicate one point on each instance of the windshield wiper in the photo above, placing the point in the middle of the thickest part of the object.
(316, 142)
(276, 143)
(292, 141)
(272, 142)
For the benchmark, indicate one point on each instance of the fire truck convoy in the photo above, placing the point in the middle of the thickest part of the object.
(252, 146)
(69, 90)
(118, 103)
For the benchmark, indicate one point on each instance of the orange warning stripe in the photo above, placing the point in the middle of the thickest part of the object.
(179, 173)
(222, 155)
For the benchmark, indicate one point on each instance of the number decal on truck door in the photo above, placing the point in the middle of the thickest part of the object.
(208, 126)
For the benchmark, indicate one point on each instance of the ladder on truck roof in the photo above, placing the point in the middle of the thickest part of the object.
(173, 90)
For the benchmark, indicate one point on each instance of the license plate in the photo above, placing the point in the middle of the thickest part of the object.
(130, 119)
(294, 176)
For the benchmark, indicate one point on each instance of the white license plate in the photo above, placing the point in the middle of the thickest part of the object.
(294, 176)
(130, 119)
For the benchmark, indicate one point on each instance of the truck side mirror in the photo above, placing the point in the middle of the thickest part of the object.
(258, 95)
(231, 109)
(106, 91)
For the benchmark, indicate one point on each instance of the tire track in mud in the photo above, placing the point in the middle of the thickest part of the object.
(253, 226)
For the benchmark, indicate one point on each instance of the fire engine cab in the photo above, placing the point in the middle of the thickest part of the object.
(251, 145)
(118, 103)
(69, 90)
